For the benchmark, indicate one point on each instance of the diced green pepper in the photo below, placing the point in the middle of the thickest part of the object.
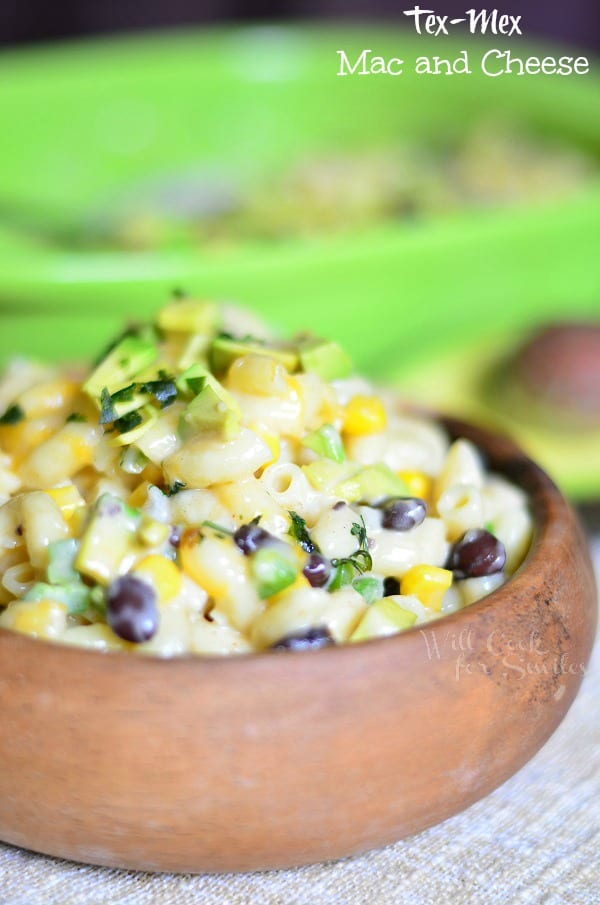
(61, 560)
(325, 358)
(385, 617)
(273, 569)
(74, 595)
(225, 350)
(369, 588)
(370, 484)
(326, 442)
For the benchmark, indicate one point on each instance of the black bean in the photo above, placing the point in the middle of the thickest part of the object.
(476, 554)
(391, 586)
(251, 538)
(175, 536)
(132, 611)
(317, 570)
(309, 639)
(403, 513)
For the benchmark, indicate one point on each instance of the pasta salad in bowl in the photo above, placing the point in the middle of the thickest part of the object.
(207, 488)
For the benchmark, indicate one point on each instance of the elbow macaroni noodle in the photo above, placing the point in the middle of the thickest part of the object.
(258, 494)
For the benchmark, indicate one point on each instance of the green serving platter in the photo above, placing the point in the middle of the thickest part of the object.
(82, 122)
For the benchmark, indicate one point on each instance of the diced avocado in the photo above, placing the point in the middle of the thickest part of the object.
(108, 537)
(192, 381)
(344, 573)
(225, 350)
(325, 358)
(130, 428)
(61, 558)
(189, 316)
(273, 569)
(324, 473)
(370, 484)
(213, 409)
(133, 460)
(326, 442)
(385, 617)
(130, 356)
(74, 595)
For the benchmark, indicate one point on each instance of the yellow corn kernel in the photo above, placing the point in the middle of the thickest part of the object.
(153, 474)
(42, 619)
(418, 484)
(139, 496)
(67, 498)
(364, 415)
(197, 565)
(152, 533)
(428, 583)
(18, 439)
(162, 574)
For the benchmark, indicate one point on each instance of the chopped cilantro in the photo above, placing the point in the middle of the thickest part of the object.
(128, 422)
(163, 390)
(13, 415)
(360, 561)
(360, 532)
(299, 532)
(107, 412)
(124, 395)
(175, 488)
(222, 532)
(76, 418)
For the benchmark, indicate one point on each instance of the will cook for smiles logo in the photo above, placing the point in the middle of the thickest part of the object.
(518, 658)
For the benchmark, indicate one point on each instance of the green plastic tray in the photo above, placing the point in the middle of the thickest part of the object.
(82, 121)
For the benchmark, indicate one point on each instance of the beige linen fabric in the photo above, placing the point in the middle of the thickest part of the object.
(534, 840)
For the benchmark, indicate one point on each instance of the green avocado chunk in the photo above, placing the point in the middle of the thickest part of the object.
(189, 316)
(108, 537)
(225, 350)
(213, 409)
(325, 358)
(130, 356)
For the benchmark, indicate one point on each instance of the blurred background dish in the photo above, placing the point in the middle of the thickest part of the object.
(448, 215)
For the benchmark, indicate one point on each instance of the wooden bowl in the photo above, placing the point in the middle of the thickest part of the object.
(276, 760)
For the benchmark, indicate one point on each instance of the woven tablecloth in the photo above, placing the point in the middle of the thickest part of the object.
(534, 840)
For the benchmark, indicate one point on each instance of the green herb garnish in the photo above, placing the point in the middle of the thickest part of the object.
(128, 422)
(220, 530)
(175, 488)
(107, 411)
(299, 532)
(124, 395)
(360, 561)
(13, 415)
(76, 418)
(164, 391)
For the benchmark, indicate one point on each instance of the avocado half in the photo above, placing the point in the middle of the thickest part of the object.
(475, 382)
